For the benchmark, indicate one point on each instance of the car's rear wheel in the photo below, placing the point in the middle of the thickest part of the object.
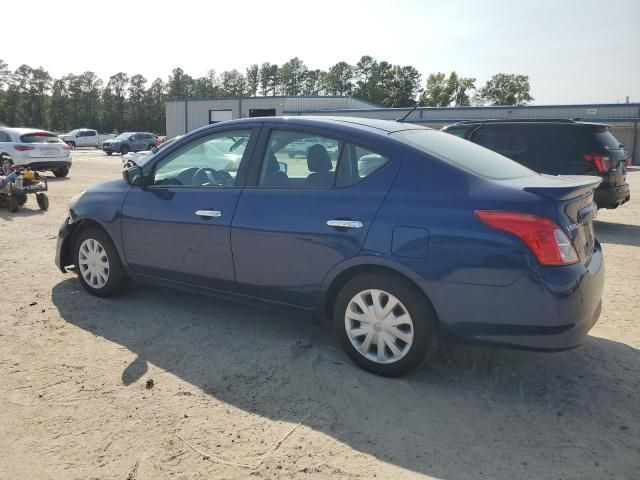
(72, 144)
(61, 172)
(384, 323)
(98, 264)
(124, 149)
(109, 153)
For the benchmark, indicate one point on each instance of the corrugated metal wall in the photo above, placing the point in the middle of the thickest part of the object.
(174, 117)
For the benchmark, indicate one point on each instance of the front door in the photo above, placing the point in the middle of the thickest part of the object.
(306, 214)
(178, 227)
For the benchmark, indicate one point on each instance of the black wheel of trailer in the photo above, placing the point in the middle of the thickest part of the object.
(43, 201)
(22, 198)
(12, 203)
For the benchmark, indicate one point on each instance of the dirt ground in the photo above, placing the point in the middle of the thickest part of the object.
(160, 384)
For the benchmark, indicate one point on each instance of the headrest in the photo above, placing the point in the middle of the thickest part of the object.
(318, 160)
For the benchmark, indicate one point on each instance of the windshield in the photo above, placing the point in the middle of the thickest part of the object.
(124, 136)
(463, 154)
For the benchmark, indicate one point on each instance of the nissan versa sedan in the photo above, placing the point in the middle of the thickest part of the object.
(407, 235)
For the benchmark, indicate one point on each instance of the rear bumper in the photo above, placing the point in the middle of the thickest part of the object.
(550, 309)
(48, 164)
(611, 197)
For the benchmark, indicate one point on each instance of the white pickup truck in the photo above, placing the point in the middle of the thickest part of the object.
(85, 137)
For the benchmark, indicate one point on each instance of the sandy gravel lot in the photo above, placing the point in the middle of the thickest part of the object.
(244, 392)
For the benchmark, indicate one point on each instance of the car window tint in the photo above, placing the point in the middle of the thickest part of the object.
(560, 149)
(299, 160)
(212, 161)
(463, 154)
(358, 163)
(4, 137)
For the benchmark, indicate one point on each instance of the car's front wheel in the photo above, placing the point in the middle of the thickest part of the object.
(98, 264)
(385, 324)
(124, 149)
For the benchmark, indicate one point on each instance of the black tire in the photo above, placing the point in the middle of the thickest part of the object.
(61, 172)
(117, 278)
(124, 149)
(72, 144)
(43, 201)
(12, 203)
(109, 153)
(422, 315)
(22, 199)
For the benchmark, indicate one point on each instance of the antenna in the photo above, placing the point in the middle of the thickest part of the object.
(402, 119)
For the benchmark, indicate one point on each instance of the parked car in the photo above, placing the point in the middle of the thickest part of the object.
(36, 149)
(141, 157)
(557, 147)
(85, 137)
(442, 238)
(129, 142)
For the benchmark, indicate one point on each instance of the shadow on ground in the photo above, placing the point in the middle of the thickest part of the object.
(618, 233)
(563, 415)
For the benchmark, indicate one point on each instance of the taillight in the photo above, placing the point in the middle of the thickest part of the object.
(601, 162)
(544, 237)
(23, 148)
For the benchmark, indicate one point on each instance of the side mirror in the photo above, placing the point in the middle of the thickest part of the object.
(132, 174)
(283, 167)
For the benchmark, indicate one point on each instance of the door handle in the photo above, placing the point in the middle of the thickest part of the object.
(344, 223)
(208, 213)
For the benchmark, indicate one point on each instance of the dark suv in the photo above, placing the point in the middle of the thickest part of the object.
(557, 147)
(129, 142)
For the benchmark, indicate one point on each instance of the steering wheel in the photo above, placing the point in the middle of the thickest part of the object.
(204, 176)
(209, 176)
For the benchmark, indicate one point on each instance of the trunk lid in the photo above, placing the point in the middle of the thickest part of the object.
(574, 205)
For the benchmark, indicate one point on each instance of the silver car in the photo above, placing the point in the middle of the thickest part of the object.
(36, 149)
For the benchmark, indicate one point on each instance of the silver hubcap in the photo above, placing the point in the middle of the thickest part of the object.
(94, 264)
(379, 326)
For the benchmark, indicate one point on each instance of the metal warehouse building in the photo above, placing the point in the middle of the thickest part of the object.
(185, 115)
(182, 116)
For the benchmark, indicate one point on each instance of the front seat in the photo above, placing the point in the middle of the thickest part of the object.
(319, 163)
(273, 177)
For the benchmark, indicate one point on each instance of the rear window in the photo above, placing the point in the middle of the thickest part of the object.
(40, 137)
(606, 139)
(463, 154)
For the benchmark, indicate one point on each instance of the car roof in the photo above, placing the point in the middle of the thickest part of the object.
(24, 131)
(365, 124)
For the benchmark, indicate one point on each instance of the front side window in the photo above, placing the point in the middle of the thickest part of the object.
(299, 160)
(211, 161)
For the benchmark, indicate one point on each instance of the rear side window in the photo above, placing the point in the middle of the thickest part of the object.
(358, 163)
(458, 132)
(463, 154)
(4, 137)
(40, 137)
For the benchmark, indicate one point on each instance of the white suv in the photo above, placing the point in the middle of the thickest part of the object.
(36, 149)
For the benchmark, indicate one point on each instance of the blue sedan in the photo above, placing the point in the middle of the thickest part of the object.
(402, 236)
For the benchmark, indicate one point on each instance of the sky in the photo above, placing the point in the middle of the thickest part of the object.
(574, 51)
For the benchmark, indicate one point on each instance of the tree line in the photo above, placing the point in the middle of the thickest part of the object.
(32, 97)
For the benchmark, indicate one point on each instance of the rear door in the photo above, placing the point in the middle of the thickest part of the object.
(301, 216)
